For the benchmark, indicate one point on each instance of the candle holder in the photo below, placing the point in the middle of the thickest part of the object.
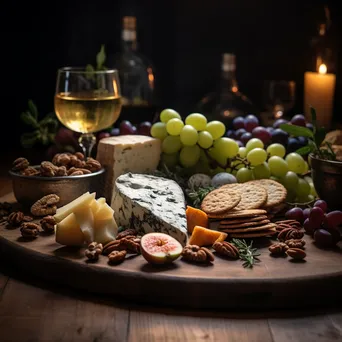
(319, 89)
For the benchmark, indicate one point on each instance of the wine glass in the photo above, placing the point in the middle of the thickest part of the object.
(279, 97)
(87, 102)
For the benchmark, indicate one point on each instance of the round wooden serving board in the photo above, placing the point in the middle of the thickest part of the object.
(272, 283)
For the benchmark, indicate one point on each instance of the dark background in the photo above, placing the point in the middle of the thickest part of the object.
(184, 39)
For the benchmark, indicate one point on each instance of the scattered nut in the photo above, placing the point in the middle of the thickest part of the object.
(290, 233)
(15, 218)
(296, 253)
(116, 257)
(79, 155)
(48, 224)
(197, 254)
(47, 205)
(20, 164)
(296, 243)
(225, 248)
(127, 232)
(278, 248)
(27, 218)
(94, 250)
(61, 159)
(61, 171)
(29, 230)
(112, 246)
(76, 173)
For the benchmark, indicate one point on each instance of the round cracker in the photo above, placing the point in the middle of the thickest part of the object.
(276, 192)
(219, 201)
(243, 225)
(252, 195)
(238, 214)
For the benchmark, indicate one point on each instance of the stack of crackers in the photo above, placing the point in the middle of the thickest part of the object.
(242, 208)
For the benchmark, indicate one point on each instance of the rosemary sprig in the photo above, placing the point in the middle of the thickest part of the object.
(197, 195)
(247, 254)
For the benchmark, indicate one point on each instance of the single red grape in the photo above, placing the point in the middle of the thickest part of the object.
(295, 214)
(245, 137)
(316, 216)
(308, 227)
(239, 122)
(115, 132)
(261, 133)
(321, 204)
(323, 238)
(126, 128)
(333, 219)
(145, 128)
(251, 121)
(306, 213)
(299, 120)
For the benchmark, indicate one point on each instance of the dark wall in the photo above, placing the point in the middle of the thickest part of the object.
(184, 39)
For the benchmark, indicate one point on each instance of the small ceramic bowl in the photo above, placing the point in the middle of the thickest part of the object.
(28, 189)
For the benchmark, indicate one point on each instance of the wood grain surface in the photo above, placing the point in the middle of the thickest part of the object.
(32, 309)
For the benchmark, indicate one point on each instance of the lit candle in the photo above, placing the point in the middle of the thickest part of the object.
(319, 88)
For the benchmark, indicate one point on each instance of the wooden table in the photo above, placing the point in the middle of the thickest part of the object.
(34, 310)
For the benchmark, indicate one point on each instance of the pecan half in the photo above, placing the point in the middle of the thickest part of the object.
(92, 164)
(15, 218)
(127, 232)
(116, 257)
(278, 248)
(20, 164)
(94, 250)
(47, 205)
(29, 230)
(47, 169)
(61, 171)
(61, 159)
(76, 173)
(296, 253)
(113, 246)
(225, 248)
(197, 254)
(79, 155)
(30, 171)
(290, 233)
(296, 243)
(48, 224)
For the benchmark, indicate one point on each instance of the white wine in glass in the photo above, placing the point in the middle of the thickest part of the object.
(87, 102)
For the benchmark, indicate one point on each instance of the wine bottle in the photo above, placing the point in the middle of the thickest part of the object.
(227, 102)
(137, 77)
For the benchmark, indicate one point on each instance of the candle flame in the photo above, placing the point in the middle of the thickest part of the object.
(322, 69)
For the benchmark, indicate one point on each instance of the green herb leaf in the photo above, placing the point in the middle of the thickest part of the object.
(319, 136)
(197, 195)
(297, 131)
(33, 109)
(247, 254)
(28, 139)
(28, 119)
(313, 118)
(101, 57)
(304, 150)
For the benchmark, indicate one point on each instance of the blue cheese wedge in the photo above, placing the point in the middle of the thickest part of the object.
(150, 204)
(127, 153)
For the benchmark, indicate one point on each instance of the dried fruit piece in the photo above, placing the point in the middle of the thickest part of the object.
(278, 248)
(296, 253)
(225, 248)
(20, 164)
(116, 257)
(47, 205)
(160, 248)
(48, 224)
(29, 230)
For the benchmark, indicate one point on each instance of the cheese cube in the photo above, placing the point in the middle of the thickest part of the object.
(127, 153)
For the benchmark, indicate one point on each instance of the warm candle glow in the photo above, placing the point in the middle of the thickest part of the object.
(322, 69)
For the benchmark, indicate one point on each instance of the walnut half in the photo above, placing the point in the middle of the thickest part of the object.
(45, 206)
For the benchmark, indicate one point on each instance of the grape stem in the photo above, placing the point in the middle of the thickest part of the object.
(228, 163)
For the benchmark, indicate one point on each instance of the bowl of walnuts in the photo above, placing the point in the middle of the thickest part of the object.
(68, 175)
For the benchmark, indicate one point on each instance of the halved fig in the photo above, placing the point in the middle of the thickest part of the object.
(160, 248)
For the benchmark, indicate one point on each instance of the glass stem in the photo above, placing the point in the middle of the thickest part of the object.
(87, 142)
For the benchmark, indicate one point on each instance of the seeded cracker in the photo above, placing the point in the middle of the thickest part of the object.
(252, 195)
(276, 192)
(219, 201)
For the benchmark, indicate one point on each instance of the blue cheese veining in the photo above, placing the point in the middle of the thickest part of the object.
(150, 204)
